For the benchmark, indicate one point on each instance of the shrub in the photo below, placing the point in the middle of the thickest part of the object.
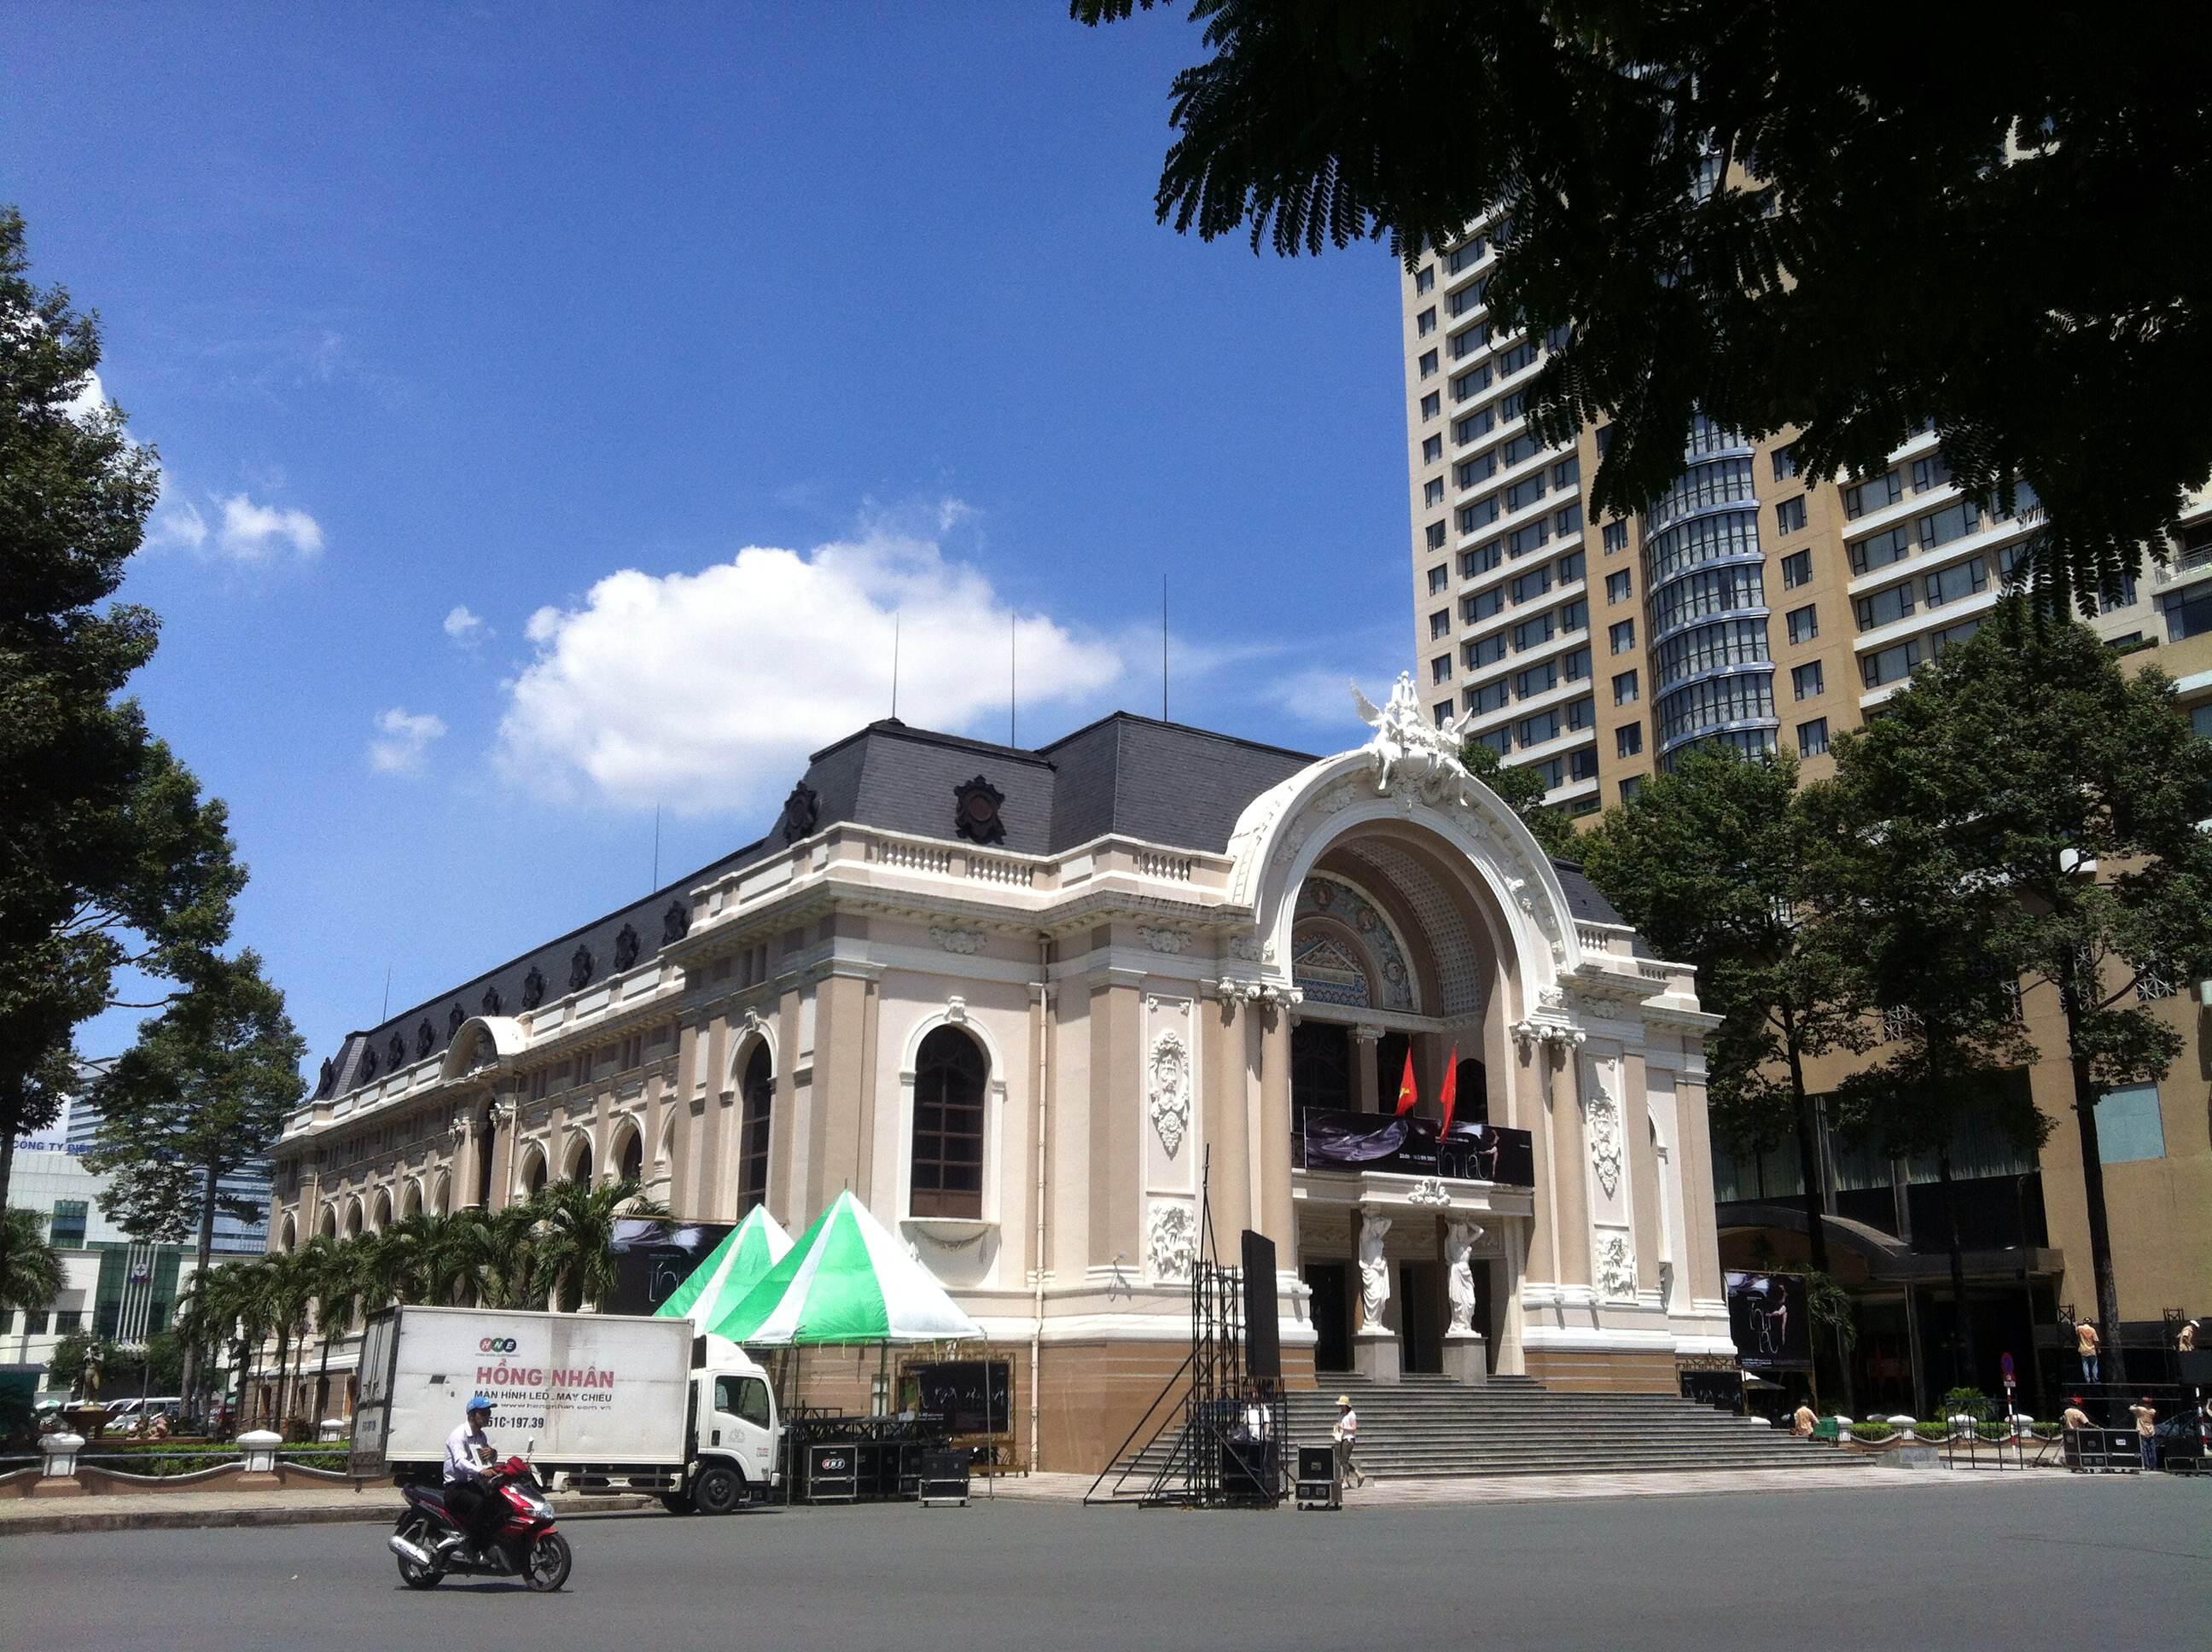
(1970, 1402)
(1933, 1433)
(2046, 1431)
(1872, 1431)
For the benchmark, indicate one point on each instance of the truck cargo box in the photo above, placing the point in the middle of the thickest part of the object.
(567, 1390)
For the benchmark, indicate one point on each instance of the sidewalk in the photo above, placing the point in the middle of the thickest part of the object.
(183, 1510)
(1550, 1488)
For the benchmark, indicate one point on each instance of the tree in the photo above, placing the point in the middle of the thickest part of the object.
(1721, 865)
(340, 1281)
(1746, 210)
(1520, 789)
(109, 857)
(30, 1270)
(576, 1236)
(204, 1092)
(2074, 785)
(74, 1351)
(1921, 928)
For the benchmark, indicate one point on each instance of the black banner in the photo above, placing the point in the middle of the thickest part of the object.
(1409, 1145)
(967, 1396)
(652, 1256)
(1768, 1322)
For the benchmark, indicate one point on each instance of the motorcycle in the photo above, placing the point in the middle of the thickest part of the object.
(429, 1544)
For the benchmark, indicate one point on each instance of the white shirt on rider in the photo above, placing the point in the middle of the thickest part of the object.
(467, 1450)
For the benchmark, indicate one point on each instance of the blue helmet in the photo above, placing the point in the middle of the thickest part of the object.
(480, 1402)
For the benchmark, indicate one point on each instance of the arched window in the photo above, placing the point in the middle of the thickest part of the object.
(486, 1139)
(949, 1074)
(579, 1167)
(533, 1173)
(1320, 1071)
(633, 1159)
(758, 1095)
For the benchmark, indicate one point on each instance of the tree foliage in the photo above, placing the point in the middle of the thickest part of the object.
(1721, 864)
(2030, 759)
(1522, 789)
(1768, 214)
(30, 1269)
(109, 857)
(204, 1092)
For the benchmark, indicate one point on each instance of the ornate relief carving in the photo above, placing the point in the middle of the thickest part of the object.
(1170, 1090)
(1616, 1267)
(955, 1010)
(1428, 1191)
(454, 1017)
(581, 964)
(491, 1000)
(1164, 940)
(800, 810)
(976, 811)
(1247, 947)
(951, 938)
(628, 946)
(426, 1039)
(1602, 1114)
(675, 923)
(533, 989)
(1322, 967)
(1171, 1239)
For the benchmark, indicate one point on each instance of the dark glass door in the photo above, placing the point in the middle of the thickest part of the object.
(1330, 1282)
(1420, 1316)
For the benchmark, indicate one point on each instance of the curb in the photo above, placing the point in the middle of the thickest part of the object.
(185, 1520)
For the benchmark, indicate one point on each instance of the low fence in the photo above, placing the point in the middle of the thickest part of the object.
(63, 1467)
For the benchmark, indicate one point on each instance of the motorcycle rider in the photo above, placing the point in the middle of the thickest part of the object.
(469, 1497)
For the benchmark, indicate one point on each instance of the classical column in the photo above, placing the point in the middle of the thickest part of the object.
(504, 1125)
(1278, 1220)
(1570, 1165)
(1375, 1352)
(1512, 1358)
(1366, 1084)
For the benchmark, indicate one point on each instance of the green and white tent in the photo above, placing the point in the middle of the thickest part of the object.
(847, 1280)
(732, 1269)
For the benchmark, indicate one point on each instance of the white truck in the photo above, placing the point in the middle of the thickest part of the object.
(611, 1400)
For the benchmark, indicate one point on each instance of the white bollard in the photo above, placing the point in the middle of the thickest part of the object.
(260, 1446)
(61, 1451)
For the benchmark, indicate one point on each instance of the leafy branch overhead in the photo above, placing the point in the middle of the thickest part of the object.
(1768, 213)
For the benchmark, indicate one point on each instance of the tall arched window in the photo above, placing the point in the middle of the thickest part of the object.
(758, 1096)
(949, 1074)
(633, 1159)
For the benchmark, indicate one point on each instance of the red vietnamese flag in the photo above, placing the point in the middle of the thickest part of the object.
(1451, 1093)
(1409, 1094)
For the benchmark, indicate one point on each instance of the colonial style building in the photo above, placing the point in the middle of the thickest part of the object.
(1033, 1006)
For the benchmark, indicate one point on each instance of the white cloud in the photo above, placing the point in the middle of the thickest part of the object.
(403, 737)
(257, 533)
(178, 523)
(464, 628)
(91, 398)
(242, 531)
(702, 690)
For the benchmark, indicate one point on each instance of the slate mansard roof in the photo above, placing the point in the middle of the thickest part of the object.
(1134, 776)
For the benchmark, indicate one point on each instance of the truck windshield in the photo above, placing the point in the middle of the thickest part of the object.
(743, 1397)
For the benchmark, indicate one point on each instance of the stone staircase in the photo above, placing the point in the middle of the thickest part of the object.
(1433, 1427)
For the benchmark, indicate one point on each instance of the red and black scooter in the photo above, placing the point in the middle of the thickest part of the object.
(427, 1545)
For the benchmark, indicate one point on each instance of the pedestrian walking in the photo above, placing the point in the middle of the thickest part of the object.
(1804, 1421)
(2088, 1345)
(1344, 1438)
(2146, 1416)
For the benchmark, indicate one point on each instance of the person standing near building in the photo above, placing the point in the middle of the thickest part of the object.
(2146, 1416)
(2086, 1344)
(1802, 1421)
(2073, 1420)
(1345, 1437)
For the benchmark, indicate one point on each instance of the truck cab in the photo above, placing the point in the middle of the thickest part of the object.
(735, 1430)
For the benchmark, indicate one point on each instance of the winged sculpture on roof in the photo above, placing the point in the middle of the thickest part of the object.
(1406, 747)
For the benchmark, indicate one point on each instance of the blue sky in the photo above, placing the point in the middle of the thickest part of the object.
(558, 400)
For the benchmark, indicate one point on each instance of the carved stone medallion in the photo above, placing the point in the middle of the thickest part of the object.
(1170, 1090)
(976, 811)
(800, 810)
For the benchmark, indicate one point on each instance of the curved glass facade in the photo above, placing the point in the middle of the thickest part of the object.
(1706, 600)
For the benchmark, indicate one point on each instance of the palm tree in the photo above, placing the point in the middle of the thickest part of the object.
(576, 1236)
(457, 1256)
(512, 1264)
(292, 1284)
(30, 1270)
(336, 1266)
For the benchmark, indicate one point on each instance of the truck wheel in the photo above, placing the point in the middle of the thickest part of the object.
(718, 1490)
(676, 1503)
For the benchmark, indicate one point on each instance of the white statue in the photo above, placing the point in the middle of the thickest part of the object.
(1405, 744)
(1374, 1272)
(1459, 1272)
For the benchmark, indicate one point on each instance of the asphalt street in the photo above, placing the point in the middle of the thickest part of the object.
(2109, 1563)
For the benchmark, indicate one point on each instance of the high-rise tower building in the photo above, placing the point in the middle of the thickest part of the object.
(1747, 605)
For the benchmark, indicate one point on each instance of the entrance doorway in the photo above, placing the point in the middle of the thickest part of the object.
(1421, 1316)
(1331, 1284)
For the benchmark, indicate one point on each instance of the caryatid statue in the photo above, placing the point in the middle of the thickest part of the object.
(1459, 1272)
(1374, 1272)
